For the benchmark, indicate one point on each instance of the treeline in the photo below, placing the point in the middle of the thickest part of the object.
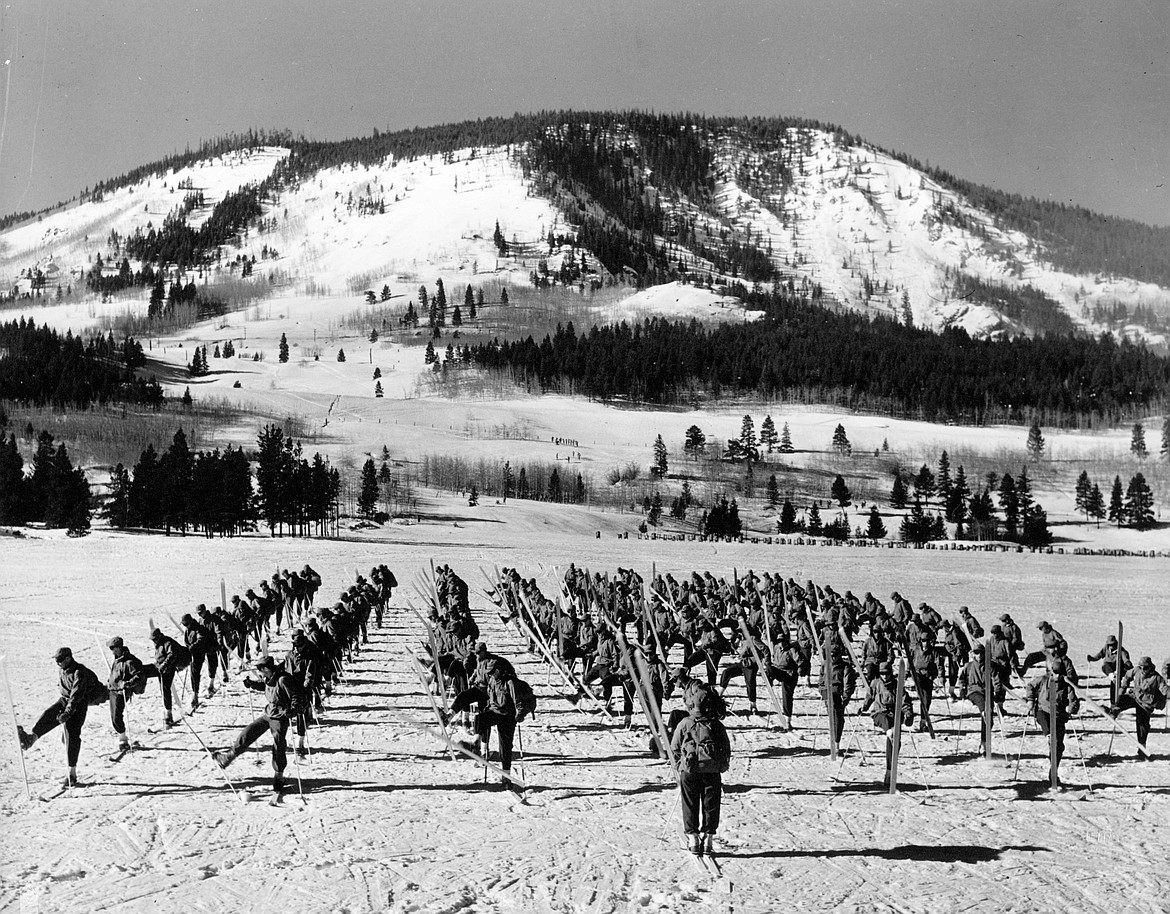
(496, 479)
(295, 496)
(177, 243)
(180, 490)
(55, 493)
(879, 364)
(40, 367)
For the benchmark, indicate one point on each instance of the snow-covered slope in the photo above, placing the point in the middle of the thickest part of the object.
(871, 231)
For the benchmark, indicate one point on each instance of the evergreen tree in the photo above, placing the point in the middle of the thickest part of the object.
(341, 355)
(813, 524)
(457, 317)
(1009, 503)
(12, 483)
(841, 441)
(1116, 503)
(554, 486)
(440, 303)
(785, 440)
(898, 494)
(117, 507)
(656, 510)
(875, 529)
(768, 437)
(378, 389)
(943, 480)
(509, 480)
(581, 492)
(368, 499)
(283, 357)
(522, 484)
(377, 372)
(841, 492)
(430, 357)
(473, 497)
(374, 334)
(982, 511)
(1137, 444)
(924, 484)
(749, 480)
(747, 435)
(1165, 449)
(773, 492)
(695, 440)
(503, 296)
(186, 398)
(1095, 505)
(1084, 487)
(177, 468)
(955, 508)
(658, 468)
(920, 527)
(787, 523)
(1035, 532)
(1139, 503)
(1035, 445)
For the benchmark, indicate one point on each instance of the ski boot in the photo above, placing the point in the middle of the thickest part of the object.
(301, 749)
(223, 757)
(26, 739)
(70, 779)
(706, 841)
(123, 742)
(695, 844)
(168, 722)
(194, 703)
(211, 690)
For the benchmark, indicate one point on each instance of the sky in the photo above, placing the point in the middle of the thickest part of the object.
(1068, 101)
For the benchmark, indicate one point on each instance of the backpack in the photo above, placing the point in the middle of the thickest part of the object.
(96, 692)
(708, 755)
(182, 655)
(524, 699)
(708, 703)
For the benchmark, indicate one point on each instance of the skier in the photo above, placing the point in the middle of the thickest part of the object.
(1051, 714)
(169, 658)
(495, 693)
(1053, 641)
(974, 629)
(701, 745)
(201, 643)
(973, 687)
(283, 704)
(1146, 691)
(127, 679)
(1108, 656)
(80, 688)
(885, 699)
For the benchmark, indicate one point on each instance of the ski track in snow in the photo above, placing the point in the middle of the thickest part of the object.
(391, 823)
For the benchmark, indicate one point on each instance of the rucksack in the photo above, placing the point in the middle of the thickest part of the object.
(524, 699)
(182, 655)
(709, 755)
(96, 692)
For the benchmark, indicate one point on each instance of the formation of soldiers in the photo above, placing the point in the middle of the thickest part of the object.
(648, 640)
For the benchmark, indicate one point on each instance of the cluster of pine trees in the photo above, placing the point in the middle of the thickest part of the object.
(179, 244)
(55, 493)
(295, 496)
(1133, 507)
(182, 489)
(805, 350)
(40, 367)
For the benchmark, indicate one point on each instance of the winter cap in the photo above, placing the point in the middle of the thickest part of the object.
(188, 619)
(997, 629)
(61, 653)
(267, 664)
(1006, 617)
(481, 649)
(201, 608)
(156, 634)
(886, 670)
(1112, 639)
(1146, 663)
(964, 611)
(115, 642)
(1044, 626)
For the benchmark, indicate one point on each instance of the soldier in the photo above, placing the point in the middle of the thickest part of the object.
(1144, 690)
(885, 699)
(973, 687)
(127, 679)
(1051, 714)
(1108, 656)
(281, 706)
(1053, 642)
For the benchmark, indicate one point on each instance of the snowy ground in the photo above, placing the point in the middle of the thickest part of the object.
(391, 823)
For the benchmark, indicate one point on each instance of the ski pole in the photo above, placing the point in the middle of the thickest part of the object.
(918, 758)
(674, 806)
(1023, 738)
(1081, 752)
(520, 744)
(16, 725)
(300, 786)
(211, 756)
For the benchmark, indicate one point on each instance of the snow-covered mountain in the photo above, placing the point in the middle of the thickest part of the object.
(833, 216)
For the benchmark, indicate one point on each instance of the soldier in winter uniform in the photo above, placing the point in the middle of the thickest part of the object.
(80, 688)
(1146, 691)
(703, 750)
(127, 679)
(283, 703)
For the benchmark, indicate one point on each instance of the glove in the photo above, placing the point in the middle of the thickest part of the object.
(62, 717)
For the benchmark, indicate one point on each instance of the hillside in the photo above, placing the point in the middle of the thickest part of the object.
(629, 198)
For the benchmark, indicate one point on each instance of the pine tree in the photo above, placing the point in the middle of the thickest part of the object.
(773, 492)
(917, 526)
(117, 507)
(1165, 449)
(378, 389)
(841, 492)
(907, 311)
(522, 484)
(509, 480)
(186, 398)
(656, 510)
(377, 372)
(841, 441)
(1137, 444)
(457, 317)
(749, 480)
(554, 485)
(368, 499)
(1095, 505)
(283, 348)
(1009, 503)
(503, 296)
(875, 529)
(924, 485)
(1084, 487)
(982, 513)
(1116, 503)
(747, 435)
(1035, 445)
(787, 523)
(341, 355)
(429, 357)
(943, 480)
(955, 508)
(1139, 503)
(659, 467)
(695, 440)
(813, 525)
(768, 437)
(785, 440)
(440, 303)
(898, 494)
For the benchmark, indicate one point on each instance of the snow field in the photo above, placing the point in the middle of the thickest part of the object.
(392, 824)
